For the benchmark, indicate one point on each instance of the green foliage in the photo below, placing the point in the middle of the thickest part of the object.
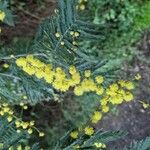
(141, 145)
(14, 83)
(118, 21)
(88, 142)
(143, 20)
(64, 22)
(93, 50)
(119, 14)
(9, 17)
(10, 138)
(101, 137)
(48, 48)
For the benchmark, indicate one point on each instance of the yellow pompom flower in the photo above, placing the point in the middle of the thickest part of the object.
(10, 112)
(2, 15)
(19, 147)
(25, 107)
(62, 43)
(41, 134)
(24, 125)
(122, 83)
(118, 99)
(49, 78)
(105, 109)
(99, 145)
(99, 91)
(21, 62)
(18, 131)
(145, 105)
(128, 96)
(87, 85)
(11, 148)
(39, 74)
(99, 79)
(9, 118)
(57, 34)
(29, 70)
(89, 130)
(138, 77)
(87, 73)
(32, 123)
(82, 7)
(2, 113)
(129, 85)
(76, 78)
(30, 131)
(78, 91)
(6, 109)
(74, 43)
(113, 87)
(72, 32)
(6, 66)
(74, 134)
(76, 34)
(104, 100)
(24, 97)
(111, 93)
(96, 117)
(18, 123)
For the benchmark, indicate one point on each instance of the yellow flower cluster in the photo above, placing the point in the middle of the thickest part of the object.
(58, 77)
(100, 145)
(1, 145)
(76, 147)
(81, 4)
(74, 35)
(119, 92)
(89, 130)
(23, 105)
(20, 147)
(89, 85)
(115, 94)
(145, 105)
(2, 15)
(138, 77)
(7, 112)
(6, 66)
(96, 117)
(74, 134)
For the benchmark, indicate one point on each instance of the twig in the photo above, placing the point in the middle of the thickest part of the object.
(10, 76)
(22, 55)
(32, 15)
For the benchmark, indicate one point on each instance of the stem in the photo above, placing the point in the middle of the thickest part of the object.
(10, 76)
(22, 55)
(30, 14)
